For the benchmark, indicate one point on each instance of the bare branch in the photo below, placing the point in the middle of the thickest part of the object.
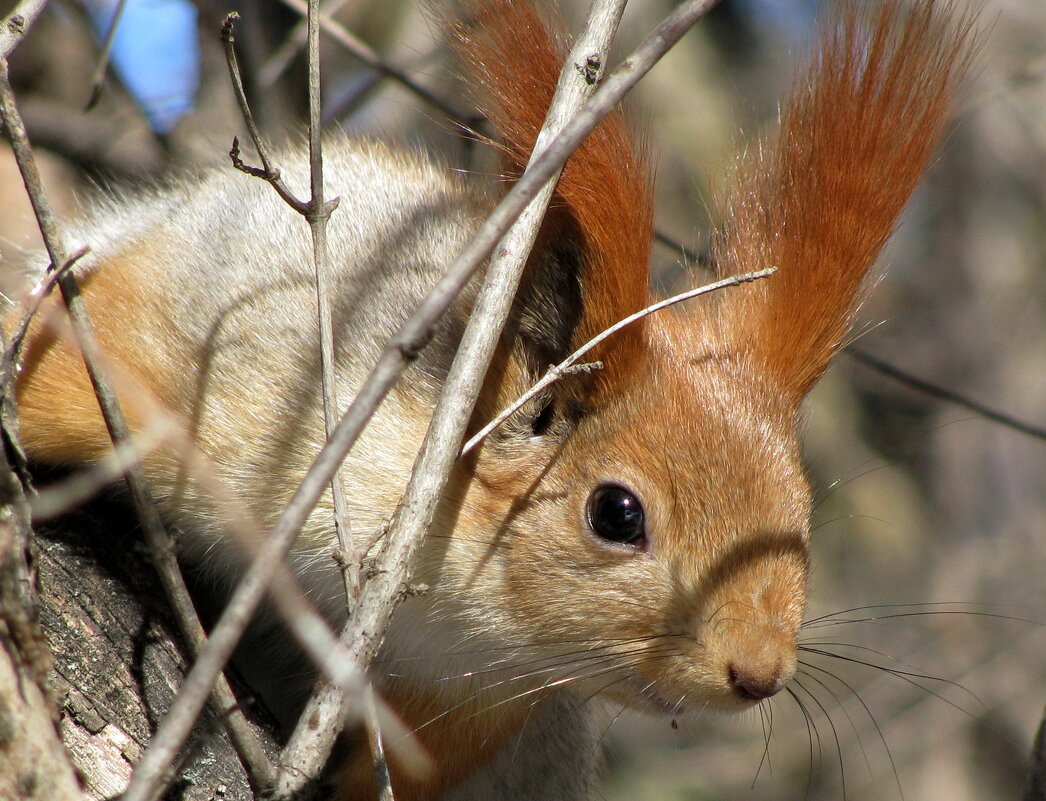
(266, 172)
(304, 622)
(39, 294)
(317, 212)
(943, 393)
(16, 25)
(370, 57)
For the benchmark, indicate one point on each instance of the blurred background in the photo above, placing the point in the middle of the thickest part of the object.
(929, 596)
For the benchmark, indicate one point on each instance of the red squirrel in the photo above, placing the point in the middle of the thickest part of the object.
(639, 533)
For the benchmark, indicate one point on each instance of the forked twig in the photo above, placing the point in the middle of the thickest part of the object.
(316, 212)
(569, 364)
(266, 172)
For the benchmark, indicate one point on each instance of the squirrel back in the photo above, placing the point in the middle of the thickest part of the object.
(640, 533)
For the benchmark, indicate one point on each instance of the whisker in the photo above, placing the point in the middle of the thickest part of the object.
(838, 484)
(552, 683)
(605, 643)
(845, 711)
(910, 677)
(835, 619)
(592, 695)
(595, 650)
(810, 730)
(929, 613)
(766, 720)
(871, 717)
(835, 735)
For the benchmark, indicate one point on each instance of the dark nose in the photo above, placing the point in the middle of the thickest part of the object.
(755, 685)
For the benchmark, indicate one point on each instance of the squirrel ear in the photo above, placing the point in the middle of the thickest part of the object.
(589, 267)
(819, 199)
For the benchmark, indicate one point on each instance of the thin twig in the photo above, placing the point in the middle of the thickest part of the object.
(404, 347)
(569, 364)
(319, 213)
(886, 368)
(370, 57)
(58, 498)
(316, 212)
(247, 745)
(943, 393)
(12, 353)
(305, 624)
(266, 172)
(16, 25)
(382, 779)
(98, 78)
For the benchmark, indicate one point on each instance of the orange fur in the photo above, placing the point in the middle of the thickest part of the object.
(59, 415)
(820, 197)
(461, 740)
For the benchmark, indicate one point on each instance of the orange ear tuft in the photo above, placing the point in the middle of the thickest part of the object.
(603, 206)
(819, 200)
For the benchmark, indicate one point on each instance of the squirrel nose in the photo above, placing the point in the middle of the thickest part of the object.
(753, 684)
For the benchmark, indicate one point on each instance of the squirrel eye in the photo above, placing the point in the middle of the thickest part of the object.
(616, 514)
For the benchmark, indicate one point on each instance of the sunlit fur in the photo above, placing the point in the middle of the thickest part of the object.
(820, 195)
(202, 296)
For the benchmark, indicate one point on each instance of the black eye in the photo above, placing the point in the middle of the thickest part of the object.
(616, 514)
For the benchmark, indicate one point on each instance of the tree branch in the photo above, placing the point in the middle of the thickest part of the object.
(16, 25)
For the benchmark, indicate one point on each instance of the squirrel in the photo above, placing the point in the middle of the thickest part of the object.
(638, 533)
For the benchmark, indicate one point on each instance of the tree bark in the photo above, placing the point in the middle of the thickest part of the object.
(117, 663)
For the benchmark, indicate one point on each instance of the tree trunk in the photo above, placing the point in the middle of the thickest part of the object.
(117, 663)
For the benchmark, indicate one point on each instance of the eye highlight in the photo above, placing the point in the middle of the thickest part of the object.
(616, 514)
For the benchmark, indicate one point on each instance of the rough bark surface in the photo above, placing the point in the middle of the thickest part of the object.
(117, 664)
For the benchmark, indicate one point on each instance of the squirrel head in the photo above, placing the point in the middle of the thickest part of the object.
(644, 530)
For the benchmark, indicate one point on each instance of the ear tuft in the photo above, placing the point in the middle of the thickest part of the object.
(819, 199)
(595, 242)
